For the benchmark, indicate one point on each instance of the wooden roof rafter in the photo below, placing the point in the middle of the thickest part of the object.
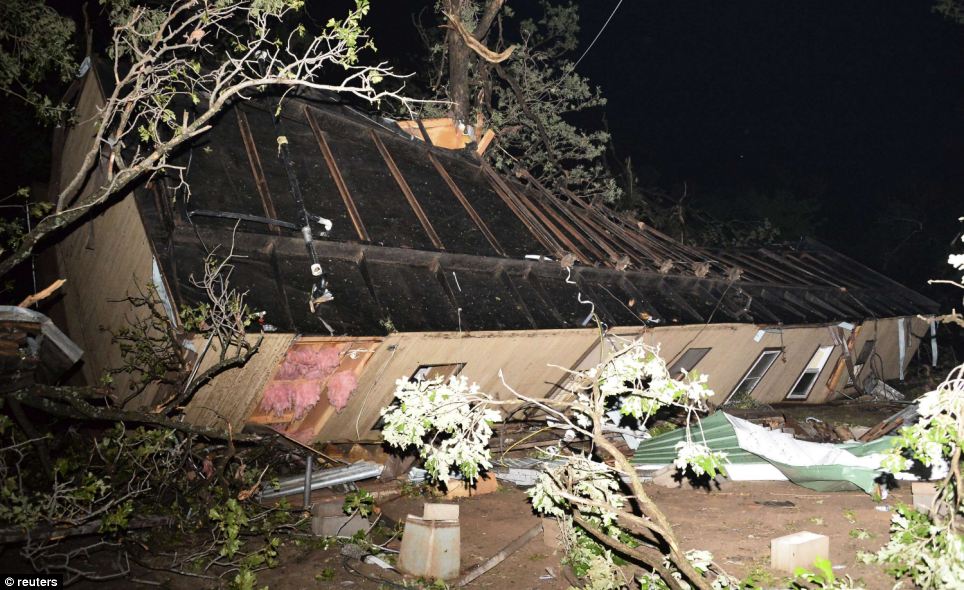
(466, 204)
(406, 190)
(343, 191)
(254, 160)
(505, 193)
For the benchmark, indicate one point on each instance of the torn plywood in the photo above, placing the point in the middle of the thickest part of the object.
(231, 396)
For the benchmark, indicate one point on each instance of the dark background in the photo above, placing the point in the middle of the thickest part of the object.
(854, 107)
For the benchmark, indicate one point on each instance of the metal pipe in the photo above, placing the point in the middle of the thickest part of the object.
(330, 477)
(306, 500)
(291, 481)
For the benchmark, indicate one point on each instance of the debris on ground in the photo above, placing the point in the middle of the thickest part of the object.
(877, 390)
(905, 417)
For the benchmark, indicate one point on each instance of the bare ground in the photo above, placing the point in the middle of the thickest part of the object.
(736, 524)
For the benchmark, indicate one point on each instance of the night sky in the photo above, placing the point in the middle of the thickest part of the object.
(856, 105)
(861, 94)
(859, 105)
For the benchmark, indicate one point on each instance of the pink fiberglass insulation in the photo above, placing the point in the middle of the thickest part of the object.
(295, 396)
(308, 363)
(340, 387)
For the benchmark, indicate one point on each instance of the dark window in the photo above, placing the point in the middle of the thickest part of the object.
(687, 362)
(752, 378)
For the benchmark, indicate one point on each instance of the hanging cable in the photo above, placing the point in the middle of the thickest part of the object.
(596, 38)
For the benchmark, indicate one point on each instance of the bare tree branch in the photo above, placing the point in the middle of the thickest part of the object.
(175, 68)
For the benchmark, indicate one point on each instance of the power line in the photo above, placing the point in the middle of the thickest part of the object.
(596, 38)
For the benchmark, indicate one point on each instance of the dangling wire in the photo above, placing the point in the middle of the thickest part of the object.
(596, 38)
(592, 306)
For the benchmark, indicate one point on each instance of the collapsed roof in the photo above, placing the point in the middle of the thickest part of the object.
(429, 239)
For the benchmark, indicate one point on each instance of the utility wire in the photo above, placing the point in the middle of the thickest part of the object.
(596, 38)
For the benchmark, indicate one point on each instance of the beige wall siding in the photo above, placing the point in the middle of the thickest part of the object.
(80, 137)
(523, 357)
(103, 260)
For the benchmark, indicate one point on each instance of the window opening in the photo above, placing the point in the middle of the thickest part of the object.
(865, 352)
(753, 377)
(430, 372)
(687, 362)
(801, 389)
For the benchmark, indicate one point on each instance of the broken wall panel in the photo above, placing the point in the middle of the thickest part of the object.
(312, 384)
(230, 397)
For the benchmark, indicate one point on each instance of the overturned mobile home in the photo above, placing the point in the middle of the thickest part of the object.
(377, 253)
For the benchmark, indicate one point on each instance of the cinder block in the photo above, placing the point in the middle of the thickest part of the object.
(441, 512)
(924, 494)
(334, 508)
(801, 549)
(336, 524)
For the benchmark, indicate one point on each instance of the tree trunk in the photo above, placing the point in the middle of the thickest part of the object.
(458, 56)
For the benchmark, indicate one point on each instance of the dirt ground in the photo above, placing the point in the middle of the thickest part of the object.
(735, 523)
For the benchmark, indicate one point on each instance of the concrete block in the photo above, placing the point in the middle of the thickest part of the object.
(801, 549)
(924, 494)
(328, 520)
(441, 512)
(333, 508)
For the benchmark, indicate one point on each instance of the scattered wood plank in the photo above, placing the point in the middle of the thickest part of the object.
(501, 556)
(891, 423)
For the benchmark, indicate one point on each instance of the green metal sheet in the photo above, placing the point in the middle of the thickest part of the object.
(720, 436)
